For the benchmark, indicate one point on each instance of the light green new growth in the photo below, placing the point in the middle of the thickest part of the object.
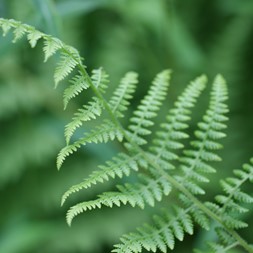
(162, 164)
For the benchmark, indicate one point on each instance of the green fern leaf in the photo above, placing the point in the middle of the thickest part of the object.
(19, 32)
(120, 165)
(100, 79)
(33, 37)
(172, 131)
(78, 84)
(102, 134)
(51, 46)
(120, 99)
(148, 108)
(65, 67)
(210, 131)
(135, 194)
(6, 26)
(160, 236)
(77, 209)
(90, 111)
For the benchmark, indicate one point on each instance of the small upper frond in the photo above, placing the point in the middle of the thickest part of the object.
(33, 36)
(19, 32)
(78, 84)
(51, 46)
(120, 99)
(6, 25)
(65, 67)
(148, 108)
(100, 79)
(101, 134)
(90, 111)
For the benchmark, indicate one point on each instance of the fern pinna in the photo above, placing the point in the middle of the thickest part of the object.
(162, 164)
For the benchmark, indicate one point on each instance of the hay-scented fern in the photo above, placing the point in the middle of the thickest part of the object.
(163, 164)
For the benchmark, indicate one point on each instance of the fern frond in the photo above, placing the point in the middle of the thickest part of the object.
(148, 108)
(7, 25)
(100, 79)
(33, 36)
(195, 162)
(120, 99)
(79, 208)
(102, 134)
(118, 166)
(19, 32)
(78, 84)
(171, 132)
(138, 194)
(90, 111)
(234, 198)
(224, 244)
(51, 46)
(65, 67)
(160, 236)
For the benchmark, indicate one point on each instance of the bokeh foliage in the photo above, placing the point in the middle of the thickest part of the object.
(190, 37)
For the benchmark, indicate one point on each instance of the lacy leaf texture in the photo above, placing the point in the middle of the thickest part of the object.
(159, 158)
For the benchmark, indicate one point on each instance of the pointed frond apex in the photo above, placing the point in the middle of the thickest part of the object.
(51, 46)
(65, 67)
(120, 99)
(78, 84)
(148, 108)
(100, 79)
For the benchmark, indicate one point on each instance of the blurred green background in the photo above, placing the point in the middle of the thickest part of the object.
(190, 37)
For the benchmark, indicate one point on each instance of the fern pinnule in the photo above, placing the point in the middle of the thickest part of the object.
(51, 46)
(120, 165)
(167, 139)
(148, 108)
(233, 200)
(147, 192)
(33, 36)
(225, 242)
(210, 130)
(120, 99)
(64, 68)
(18, 32)
(100, 79)
(6, 25)
(160, 236)
(79, 208)
(228, 207)
(101, 134)
(91, 110)
(78, 84)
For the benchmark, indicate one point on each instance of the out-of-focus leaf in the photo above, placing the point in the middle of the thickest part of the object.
(78, 7)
